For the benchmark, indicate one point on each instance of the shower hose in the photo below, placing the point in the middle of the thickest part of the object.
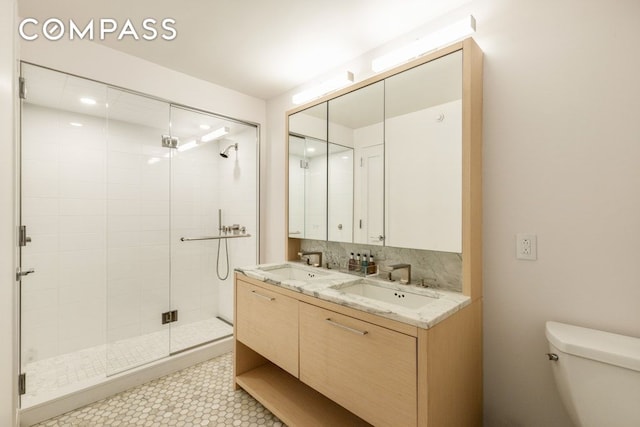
(226, 251)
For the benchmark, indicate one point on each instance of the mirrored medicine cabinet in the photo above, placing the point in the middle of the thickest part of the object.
(394, 160)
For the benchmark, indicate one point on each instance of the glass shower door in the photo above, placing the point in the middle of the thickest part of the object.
(213, 184)
(195, 203)
(63, 210)
(138, 230)
(110, 182)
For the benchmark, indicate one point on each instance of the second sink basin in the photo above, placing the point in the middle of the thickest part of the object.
(294, 272)
(379, 292)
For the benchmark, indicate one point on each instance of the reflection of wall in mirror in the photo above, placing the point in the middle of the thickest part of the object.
(424, 178)
(341, 195)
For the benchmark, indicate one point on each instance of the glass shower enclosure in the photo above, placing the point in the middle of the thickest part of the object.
(122, 199)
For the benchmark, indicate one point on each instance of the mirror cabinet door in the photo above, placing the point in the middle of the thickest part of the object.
(308, 173)
(355, 167)
(423, 156)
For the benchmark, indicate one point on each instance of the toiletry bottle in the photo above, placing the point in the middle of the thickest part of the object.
(356, 266)
(364, 263)
(371, 269)
(352, 262)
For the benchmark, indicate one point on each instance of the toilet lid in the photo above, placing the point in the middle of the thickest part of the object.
(619, 350)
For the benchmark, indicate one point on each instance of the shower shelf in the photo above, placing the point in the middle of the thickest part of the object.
(233, 236)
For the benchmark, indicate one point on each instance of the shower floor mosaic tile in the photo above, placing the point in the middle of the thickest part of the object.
(69, 372)
(201, 395)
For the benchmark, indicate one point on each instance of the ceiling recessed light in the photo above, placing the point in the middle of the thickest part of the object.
(76, 124)
(88, 101)
(205, 127)
(311, 150)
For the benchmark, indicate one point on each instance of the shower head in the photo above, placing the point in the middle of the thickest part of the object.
(225, 152)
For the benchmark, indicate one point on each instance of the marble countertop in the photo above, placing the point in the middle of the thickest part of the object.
(326, 284)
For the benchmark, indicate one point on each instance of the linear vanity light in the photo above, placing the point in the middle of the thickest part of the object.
(215, 134)
(323, 88)
(446, 35)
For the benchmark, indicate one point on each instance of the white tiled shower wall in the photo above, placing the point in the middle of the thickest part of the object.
(64, 206)
(98, 215)
(237, 179)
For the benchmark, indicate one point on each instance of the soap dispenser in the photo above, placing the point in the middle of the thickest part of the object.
(371, 268)
(364, 263)
(352, 263)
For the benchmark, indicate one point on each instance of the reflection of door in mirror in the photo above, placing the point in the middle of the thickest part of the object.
(423, 156)
(369, 197)
(356, 195)
(308, 173)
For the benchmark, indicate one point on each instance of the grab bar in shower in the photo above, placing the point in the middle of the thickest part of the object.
(233, 236)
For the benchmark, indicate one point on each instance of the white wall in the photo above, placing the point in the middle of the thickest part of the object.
(8, 351)
(561, 152)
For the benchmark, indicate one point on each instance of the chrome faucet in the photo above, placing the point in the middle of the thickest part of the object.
(308, 255)
(405, 274)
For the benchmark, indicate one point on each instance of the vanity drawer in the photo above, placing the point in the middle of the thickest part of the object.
(368, 369)
(267, 322)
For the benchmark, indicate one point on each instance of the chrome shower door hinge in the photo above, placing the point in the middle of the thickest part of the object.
(169, 317)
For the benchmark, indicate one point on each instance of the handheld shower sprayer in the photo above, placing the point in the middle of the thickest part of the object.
(225, 152)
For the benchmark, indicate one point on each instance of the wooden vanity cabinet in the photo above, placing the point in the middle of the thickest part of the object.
(355, 368)
(267, 322)
(368, 369)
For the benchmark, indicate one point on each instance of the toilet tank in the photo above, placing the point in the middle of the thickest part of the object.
(597, 374)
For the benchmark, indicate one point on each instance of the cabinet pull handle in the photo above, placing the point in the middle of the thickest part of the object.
(339, 325)
(262, 296)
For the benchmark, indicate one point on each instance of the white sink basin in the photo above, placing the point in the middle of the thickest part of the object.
(378, 292)
(294, 272)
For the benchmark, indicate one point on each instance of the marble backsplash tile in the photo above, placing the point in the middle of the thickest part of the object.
(438, 269)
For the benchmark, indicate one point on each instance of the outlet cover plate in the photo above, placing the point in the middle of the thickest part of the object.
(526, 246)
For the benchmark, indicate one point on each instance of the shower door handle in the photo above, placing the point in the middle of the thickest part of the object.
(20, 272)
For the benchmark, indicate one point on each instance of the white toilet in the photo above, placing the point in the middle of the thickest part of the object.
(597, 374)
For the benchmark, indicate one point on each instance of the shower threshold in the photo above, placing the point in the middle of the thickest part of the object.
(57, 376)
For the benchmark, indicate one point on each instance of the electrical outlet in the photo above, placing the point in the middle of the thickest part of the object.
(526, 246)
